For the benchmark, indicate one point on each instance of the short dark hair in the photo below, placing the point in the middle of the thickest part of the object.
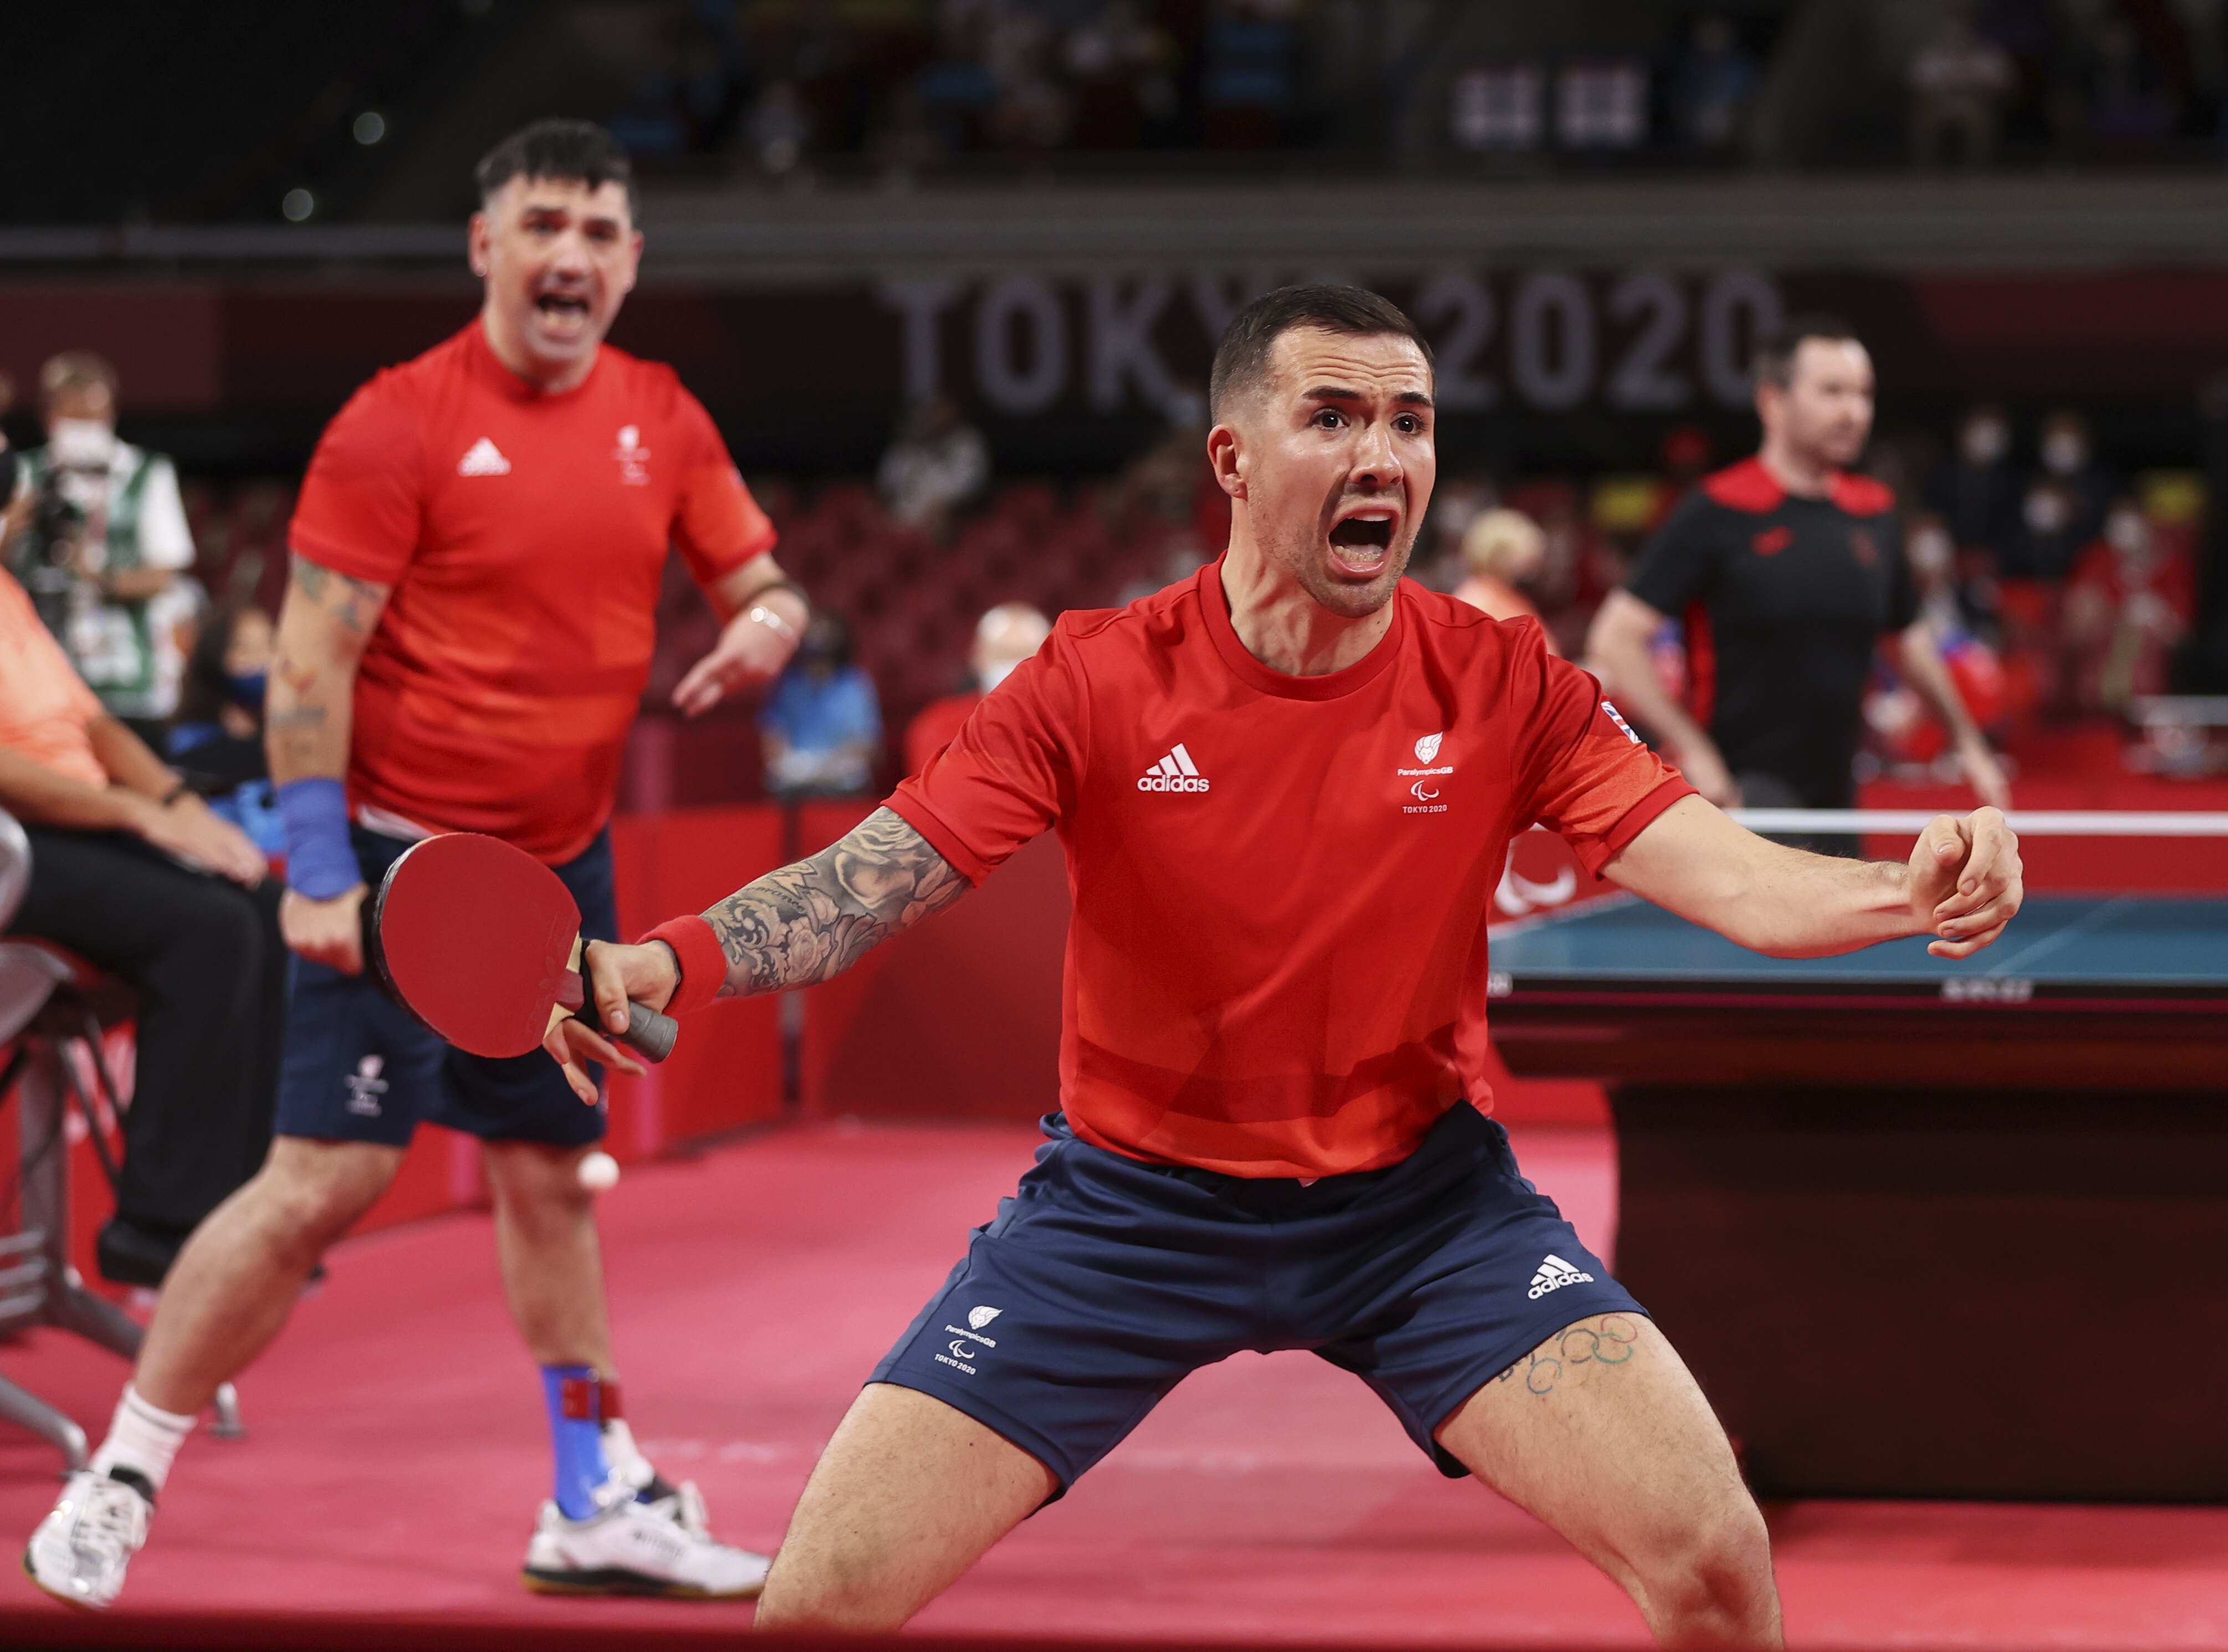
(1242, 357)
(1773, 362)
(577, 151)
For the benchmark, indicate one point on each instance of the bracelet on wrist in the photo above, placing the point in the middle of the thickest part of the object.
(772, 621)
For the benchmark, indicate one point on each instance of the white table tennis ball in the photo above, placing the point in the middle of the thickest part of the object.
(599, 1173)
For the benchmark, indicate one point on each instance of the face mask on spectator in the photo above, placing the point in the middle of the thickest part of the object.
(2064, 452)
(1932, 555)
(83, 444)
(2046, 510)
(246, 689)
(1984, 441)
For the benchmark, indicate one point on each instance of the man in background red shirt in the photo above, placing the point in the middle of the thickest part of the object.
(1004, 636)
(1285, 787)
(477, 554)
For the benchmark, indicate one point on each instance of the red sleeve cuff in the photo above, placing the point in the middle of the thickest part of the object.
(1598, 852)
(703, 962)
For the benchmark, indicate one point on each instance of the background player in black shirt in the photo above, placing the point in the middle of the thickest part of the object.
(1786, 570)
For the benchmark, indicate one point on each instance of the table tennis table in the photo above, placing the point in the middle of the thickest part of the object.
(1921, 1226)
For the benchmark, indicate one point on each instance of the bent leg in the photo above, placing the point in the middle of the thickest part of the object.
(908, 1496)
(552, 1267)
(1602, 1432)
(238, 1277)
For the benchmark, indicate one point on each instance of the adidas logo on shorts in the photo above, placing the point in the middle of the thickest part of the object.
(1174, 772)
(1555, 1273)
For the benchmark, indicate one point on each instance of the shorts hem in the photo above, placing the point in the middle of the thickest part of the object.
(1536, 1330)
(1007, 1427)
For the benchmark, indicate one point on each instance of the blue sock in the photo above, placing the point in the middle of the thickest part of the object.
(576, 1436)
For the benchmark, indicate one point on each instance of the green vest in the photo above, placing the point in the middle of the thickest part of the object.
(112, 643)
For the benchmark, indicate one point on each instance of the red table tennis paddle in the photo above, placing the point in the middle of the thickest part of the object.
(481, 943)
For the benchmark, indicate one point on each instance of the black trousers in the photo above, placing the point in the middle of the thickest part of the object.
(205, 958)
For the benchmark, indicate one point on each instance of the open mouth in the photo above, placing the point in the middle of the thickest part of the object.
(562, 306)
(1361, 541)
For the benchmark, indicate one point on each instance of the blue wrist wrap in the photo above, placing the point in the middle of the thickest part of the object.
(320, 861)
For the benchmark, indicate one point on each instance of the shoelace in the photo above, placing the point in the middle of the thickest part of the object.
(110, 1526)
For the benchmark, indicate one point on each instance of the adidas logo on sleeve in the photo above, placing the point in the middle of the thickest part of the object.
(1554, 1273)
(1174, 772)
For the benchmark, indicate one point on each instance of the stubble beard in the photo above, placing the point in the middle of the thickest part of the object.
(1303, 559)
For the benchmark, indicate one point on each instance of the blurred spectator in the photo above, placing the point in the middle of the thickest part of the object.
(821, 723)
(104, 545)
(2127, 605)
(938, 462)
(1715, 82)
(132, 872)
(1960, 81)
(216, 739)
(2063, 504)
(1503, 549)
(1005, 637)
(779, 127)
(1975, 492)
(2129, 98)
(1247, 77)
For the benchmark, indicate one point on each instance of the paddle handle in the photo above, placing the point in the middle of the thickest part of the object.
(649, 1035)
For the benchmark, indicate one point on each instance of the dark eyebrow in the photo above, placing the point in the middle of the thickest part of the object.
(1339, 393)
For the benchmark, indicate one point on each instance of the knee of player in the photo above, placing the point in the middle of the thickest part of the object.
(1716, 1571)
(306, 1206)
(831, 1593)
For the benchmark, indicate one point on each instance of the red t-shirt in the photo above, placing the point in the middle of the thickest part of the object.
(1276, 965)
(525, 537)
(933, 726)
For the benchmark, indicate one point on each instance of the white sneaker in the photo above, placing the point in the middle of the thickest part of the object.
(632, 1547)
(81, 1548)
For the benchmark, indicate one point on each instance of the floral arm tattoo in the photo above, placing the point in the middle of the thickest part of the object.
(816, 918)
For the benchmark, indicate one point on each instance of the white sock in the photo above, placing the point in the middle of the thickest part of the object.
(623, 1456)
(142, 1438)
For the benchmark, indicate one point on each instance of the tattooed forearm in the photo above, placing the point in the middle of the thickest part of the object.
(818, 917)
(1607, 1340)
(323, 627)
(353, 604)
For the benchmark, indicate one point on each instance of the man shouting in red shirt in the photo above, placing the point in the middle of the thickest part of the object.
(477, 554)
(1285, 788)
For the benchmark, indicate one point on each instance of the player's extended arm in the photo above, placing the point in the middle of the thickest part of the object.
(795, 927)
(1918, 650)
(323, 625)
(1961, 884)
(762, 616)
(1618, 650)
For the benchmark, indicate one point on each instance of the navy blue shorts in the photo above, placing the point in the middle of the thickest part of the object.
(359, 1069)
(1103, 1283)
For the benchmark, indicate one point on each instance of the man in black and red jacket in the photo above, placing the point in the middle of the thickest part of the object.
(1787, 570)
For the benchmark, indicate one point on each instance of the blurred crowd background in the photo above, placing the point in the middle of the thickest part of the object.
(2055, 501)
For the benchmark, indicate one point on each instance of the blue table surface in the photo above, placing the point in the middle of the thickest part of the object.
(2107, 940)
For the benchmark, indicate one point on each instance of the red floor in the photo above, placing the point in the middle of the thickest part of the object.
(397, 1453)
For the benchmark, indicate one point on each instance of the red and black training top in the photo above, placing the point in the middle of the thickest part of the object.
(1784, 599)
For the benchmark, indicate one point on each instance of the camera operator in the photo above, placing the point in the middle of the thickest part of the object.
(132, 872)
(99, 538)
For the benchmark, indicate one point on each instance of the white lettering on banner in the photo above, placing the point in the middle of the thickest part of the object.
(1556, 374)
(1460, 387)
(1725, 345)
(1015, 374)
(1647, 341)
(1122, 351)
(1641, 382)
(922, 304)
